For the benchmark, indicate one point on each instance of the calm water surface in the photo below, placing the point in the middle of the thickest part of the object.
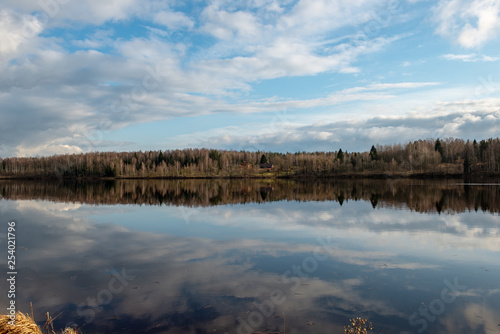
(253, 256)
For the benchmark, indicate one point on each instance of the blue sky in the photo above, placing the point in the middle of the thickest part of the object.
(265, 75)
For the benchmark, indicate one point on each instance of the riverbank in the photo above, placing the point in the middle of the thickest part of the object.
(278, 175)
(452, 158)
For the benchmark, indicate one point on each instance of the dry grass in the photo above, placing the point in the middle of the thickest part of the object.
(25, 324)
(358, 326)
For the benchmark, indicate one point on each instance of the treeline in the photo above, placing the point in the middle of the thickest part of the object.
(441, 156)
(416, 195)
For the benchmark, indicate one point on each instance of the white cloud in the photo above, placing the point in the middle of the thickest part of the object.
(97, 40)
(471, 57)
(391, 86)
(16, 30)
(469, 23)
(95, 12)
(290, 57)
(472, 119)
(230, 25)
(316, 17)
(79, 95)
(46, 150)
(296, 43)
(69, 94)
(173, 20)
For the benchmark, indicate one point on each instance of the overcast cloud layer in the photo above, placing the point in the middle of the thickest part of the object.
(262, 74)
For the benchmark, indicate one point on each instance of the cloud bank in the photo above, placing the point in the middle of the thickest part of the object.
(73, 73)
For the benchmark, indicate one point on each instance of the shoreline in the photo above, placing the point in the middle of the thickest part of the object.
(352, 176)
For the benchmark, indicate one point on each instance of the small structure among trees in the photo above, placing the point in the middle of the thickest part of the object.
(264, 162)
(266, 165)
(246, 165)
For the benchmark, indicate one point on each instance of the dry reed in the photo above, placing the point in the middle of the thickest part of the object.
(25, 324)
(358, 326)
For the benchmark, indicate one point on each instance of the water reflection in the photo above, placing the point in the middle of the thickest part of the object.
(239, 268)
(447, 196)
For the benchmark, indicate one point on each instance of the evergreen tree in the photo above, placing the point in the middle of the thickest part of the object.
(483, 146)
(340, 155)
(475, 146)
(438, 147)
(467, 163)
(373, 153)
(263, 159)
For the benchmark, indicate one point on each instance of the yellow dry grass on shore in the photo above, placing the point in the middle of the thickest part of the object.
(25, 324)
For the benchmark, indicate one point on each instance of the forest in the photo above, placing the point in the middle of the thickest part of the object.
(437, 157)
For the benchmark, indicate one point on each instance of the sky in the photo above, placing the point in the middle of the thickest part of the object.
(258, 75)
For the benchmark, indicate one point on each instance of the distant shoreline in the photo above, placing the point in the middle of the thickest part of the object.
(425, 159)
(362, 175)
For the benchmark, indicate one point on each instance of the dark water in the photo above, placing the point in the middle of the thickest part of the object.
(253, 256)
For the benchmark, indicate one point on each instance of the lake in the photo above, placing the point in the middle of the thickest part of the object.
(246, 256)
